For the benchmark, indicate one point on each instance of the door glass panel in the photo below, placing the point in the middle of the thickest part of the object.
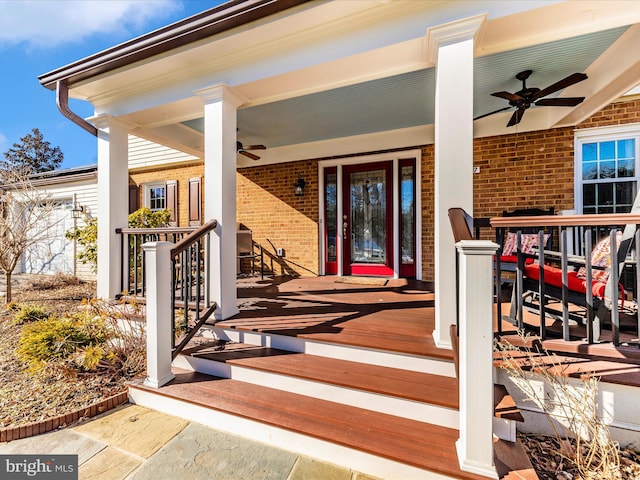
(331, 202)
(408, 214)
(368, 217)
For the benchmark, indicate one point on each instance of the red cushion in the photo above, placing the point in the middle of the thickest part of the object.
(553, 276)
(513, 259)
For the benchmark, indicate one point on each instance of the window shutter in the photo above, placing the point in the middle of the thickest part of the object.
(171, 192)
(134, 198)
(195, 201)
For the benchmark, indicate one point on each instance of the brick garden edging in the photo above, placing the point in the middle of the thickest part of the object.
(49, 424)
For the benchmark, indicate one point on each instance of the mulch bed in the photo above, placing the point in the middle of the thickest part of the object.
(32, 403)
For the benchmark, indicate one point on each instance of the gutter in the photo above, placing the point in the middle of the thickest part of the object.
(62, 100)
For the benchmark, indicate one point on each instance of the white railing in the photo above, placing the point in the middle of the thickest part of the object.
(475, 376)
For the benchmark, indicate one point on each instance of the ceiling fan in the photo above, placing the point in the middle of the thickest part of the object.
(242, 150)
(528, 96)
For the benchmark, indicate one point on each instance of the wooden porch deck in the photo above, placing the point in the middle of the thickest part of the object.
(399, 317)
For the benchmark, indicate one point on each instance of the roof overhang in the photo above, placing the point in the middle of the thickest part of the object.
(227, 16)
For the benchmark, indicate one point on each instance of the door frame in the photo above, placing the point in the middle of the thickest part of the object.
(349, 267)
(394, 157)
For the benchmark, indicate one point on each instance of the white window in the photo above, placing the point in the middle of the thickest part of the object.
(607, 169)
(155, 196)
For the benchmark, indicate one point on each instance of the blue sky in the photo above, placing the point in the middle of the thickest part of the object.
(38, 36)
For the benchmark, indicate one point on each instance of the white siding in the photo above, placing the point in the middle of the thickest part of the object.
(85, 193)
(144, 153)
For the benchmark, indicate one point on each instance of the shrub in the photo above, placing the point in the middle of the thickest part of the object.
(26, 313)
(87, 236)
(58, 338)
(102, 338)
(572, 412)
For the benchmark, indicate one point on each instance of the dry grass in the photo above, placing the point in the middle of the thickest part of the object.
(581, 447)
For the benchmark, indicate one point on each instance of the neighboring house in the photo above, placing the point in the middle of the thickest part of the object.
(371, 104)
(73, 188)
(150, 165)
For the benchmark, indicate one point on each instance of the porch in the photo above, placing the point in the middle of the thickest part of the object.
(346, 372)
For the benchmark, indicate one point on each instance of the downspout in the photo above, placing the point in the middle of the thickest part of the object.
(62, 100)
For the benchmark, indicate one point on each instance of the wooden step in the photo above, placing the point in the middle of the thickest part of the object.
(420, 387)
(504, 406)
(512, 461)
(418, 444)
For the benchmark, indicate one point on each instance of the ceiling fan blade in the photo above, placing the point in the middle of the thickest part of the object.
(491, 113)
(512, 97)
(560, 102)
(564, 83)
(516, 117)
(249, 154)
(254, 147)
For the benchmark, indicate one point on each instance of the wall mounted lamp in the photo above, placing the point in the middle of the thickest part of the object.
(298, 187)
(77, 210)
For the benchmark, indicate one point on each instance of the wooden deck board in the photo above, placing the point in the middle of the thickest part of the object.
(398, 317)
(419, 444)
(421, 387)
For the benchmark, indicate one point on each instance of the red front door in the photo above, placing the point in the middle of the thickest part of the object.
(367, 223)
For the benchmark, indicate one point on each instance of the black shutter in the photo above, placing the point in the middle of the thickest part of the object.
(171, 196)
(134, 198)
(195, 201)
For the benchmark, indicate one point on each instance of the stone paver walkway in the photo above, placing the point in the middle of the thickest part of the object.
(136, 443)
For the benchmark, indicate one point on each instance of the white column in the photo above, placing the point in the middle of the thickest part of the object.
(113, 204)
(220, 118)
(451, 47)
(158, 286)
(475, 380)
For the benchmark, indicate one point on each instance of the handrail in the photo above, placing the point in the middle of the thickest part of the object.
(193, 237)
(151, 230)
(190, 276)
(588, 220)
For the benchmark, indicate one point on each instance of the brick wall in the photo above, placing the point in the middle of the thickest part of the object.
(266, 204)
(428, 208)
(180, 173)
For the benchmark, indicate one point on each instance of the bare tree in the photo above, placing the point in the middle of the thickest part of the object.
(25, 219)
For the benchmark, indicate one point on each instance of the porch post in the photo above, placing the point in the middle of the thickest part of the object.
(158, 286)
(475, 377)
(113, 208)
(451, 47)
(220, 109)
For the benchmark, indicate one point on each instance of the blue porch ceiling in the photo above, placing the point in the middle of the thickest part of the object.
(407, 100)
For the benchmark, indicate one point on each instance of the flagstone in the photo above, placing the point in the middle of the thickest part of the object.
(110, 464)
(61, 442)
(123, 428)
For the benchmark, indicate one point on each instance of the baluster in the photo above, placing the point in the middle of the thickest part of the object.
(519, 286)
(565, 282)
(588, 245)
(542, 297)
(615, 274)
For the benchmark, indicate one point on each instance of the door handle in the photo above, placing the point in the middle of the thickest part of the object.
(344, 227)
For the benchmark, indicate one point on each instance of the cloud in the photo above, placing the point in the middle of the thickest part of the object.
(4, 143)
(40, 24)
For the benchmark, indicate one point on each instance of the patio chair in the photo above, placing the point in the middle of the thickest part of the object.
(506, 257)
(461, 224)
(593, 282)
